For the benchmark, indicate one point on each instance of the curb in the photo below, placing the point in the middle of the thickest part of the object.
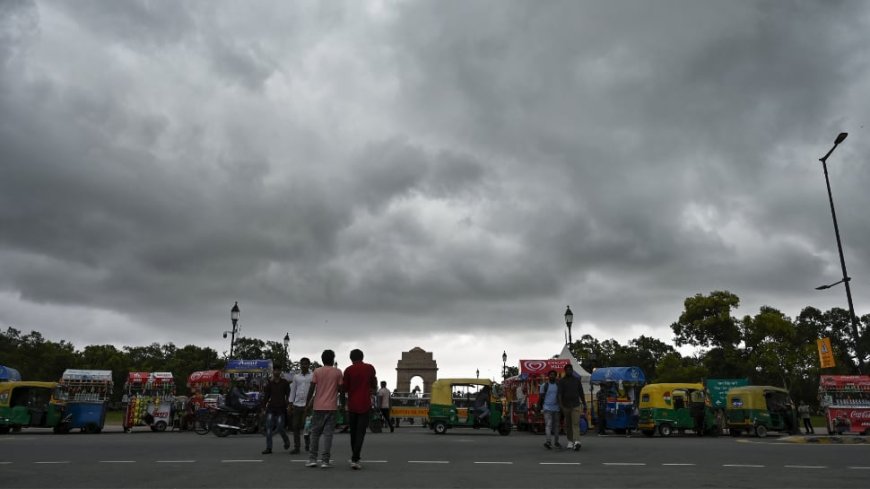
(828, 440)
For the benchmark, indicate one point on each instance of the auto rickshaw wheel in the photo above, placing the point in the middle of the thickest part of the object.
(160, 426)
(16, 429)
(61, 429)
(734, 431)
(439, 427)
(760, 431)
(504, 429)
(4, 430)
(648, 432)
(666, 430)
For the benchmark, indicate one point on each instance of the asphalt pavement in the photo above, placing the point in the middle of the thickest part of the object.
(416, 457)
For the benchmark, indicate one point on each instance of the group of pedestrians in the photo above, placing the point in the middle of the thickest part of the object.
(317, 394)
(562, 397)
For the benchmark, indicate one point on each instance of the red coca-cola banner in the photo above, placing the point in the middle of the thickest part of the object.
(541, 367)
(845, 382)
(857, 419)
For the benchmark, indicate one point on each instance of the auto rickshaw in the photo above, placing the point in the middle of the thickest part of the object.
(666, 407)
(484, 411)
(758, 409)
(28, 405)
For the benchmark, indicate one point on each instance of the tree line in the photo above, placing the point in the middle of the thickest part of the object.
(767, 348)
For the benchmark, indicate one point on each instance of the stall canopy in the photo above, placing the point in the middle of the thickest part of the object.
(9, 374)
(207, 377)
(138, 377)
(72, 374)
(618, 374)
(162, 378)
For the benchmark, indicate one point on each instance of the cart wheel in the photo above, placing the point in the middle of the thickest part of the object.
(666, 430)
(648, 432)
(160, 426)
(440, 427)
(760, 431)
(504, 429)
(61, 429)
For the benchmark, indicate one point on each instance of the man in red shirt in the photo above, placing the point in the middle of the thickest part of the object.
(360, 384)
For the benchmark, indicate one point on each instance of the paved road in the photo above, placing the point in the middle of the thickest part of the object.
(414, 457)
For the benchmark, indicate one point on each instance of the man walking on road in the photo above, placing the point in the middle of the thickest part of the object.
(326, 382)
(360, 383)
(384, 404)
(300, 383)
(548, 404)
(571, 399)
(275, 396)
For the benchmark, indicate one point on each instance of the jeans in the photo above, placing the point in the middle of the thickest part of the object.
(385, 413)
(551, 425)
(808, 426)
(358, 423)
(572, 423)
(297, 423)
(275, 420)
(322, 425)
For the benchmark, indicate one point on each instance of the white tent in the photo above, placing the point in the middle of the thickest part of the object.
(585, 377)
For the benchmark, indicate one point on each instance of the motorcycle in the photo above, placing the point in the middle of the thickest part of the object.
(228, 421)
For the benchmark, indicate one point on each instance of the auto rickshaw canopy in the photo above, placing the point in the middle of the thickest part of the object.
(7, 389)
(754, 396)
(442, 389)
(659, 395)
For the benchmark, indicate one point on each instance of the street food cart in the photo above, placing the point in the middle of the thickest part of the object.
(85, 395)
(207, 382)
(846, 400)
(618, 397)
(254, 373)
(522, 391)
(149, 397)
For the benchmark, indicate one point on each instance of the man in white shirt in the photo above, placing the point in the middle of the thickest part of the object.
(299, 384)
(384, 404)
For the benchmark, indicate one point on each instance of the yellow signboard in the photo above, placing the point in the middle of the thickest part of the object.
(826, 354)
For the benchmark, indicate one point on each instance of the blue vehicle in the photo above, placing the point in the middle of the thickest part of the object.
(85, 395)
(615, 406)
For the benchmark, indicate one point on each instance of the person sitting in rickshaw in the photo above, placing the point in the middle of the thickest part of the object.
(697, 407)
(235, 396)
(481, 406)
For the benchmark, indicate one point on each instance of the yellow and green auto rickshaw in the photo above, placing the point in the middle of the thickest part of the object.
(758, 409)
(28, 405)
(484, 409)
(667, 407)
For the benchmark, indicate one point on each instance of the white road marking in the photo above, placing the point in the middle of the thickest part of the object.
(236, 461)
(54, 462)
(175, 461)
(559, 463)
(742, 465)
(496, 463)
(859, 468)
(116, 461)
(623, 463)
(428, 461)
(806, 466)
(5, 463)
(373, 461)
(678, 465)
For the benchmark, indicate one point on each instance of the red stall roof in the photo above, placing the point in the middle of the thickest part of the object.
(861, 382)
(207, 377)
(541, 367)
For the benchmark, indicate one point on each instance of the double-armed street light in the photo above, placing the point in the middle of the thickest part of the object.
(235, 313)
(846, 279)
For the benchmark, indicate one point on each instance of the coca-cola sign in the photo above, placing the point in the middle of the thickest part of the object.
(856, 420)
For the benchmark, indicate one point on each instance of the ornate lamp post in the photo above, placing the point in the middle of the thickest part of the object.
(846, 278)
(235, 313)
(477, 373)
(287, 349)
(504, 365)
(569, 319)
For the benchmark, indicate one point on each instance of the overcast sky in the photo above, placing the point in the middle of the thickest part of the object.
(441, 174)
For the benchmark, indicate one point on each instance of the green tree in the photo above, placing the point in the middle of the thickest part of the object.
(707, 321)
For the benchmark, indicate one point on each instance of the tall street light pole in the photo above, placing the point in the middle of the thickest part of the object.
(569, 319)
(845, 280)
(287, 350)
(503, 366)
(235, 313)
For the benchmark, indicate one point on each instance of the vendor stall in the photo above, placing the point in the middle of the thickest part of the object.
(149, 397)
(846, 401)
(85, 395)
(618, 397)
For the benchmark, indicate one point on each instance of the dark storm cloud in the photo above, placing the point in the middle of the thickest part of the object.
(411, 166)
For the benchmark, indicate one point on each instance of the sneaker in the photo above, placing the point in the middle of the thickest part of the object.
(294, 451)
(557, 445)
(570, 445)
(287, 445)
(266, 451)
(355, 465)
(547, 445)
(325, 465)
(311, 463)
(577, 446)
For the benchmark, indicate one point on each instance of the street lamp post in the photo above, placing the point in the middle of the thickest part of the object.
(503, 366)
(569, 319)
(287, 350)
(234, 317)
(477, 373)
(845, 280)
